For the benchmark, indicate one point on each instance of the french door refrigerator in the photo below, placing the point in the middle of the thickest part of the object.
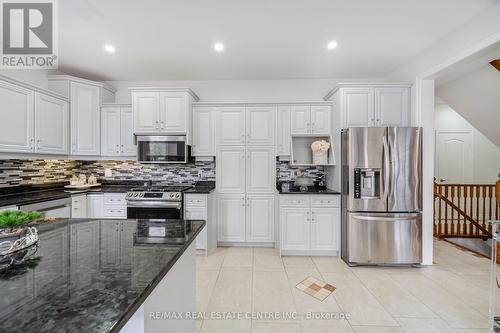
(382, 195)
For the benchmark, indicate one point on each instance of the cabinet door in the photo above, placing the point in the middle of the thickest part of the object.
(95, 206)
(231, 214)
(283, 128)
(260, 125)
(173, 112)
(127, 231)
(324, 228)
(110, 244)
(85, 119)
(231, 170)
(260, 218)
(198, 214)
(146, 109)
(16, 112)
(79, 206)
(294, 228)
(127, 146)
(391, 107)
(300, 118)
(260, 170)
(231, 126)
(51, 125)
(357, 107)
(320, 119)
(203, 131)
(110, 131)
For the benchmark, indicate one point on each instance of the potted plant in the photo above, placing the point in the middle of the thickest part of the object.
(15, 234)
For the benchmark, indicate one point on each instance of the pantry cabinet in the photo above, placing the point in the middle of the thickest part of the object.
(203, 131)
(230, 173)
(231, 218)
(310, 119)
(117, 137)
(231, 126)
(259, 219)
(260, 123)
(260, 170)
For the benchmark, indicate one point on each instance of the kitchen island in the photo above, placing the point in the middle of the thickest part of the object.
(92, 275)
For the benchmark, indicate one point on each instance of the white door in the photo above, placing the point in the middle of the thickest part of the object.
(391, 107)
(231, 126)
(260, 170)
(95, 206)
(110, 131)
(198, 214)
(260, 218)
(17, 114)
(260, 125)
(324, 229)
(203, 131)
(51, 125)
(357, 107)
(283, 127)
(455, 156)
(173, 112)
(127, 146)
(295, 228)
(320, 119)
(231, 170)
(231, 214)
(85, 119)
(300, 119)
(146, 108)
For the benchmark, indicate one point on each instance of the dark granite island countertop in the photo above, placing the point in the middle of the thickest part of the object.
(89, 275)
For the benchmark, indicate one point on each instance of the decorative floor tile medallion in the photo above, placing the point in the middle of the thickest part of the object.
(316, 288)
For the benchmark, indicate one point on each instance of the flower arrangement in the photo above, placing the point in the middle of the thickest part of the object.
(320, 145)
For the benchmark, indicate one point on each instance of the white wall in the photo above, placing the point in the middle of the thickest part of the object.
(486, 155)
(35, 77)
(476, 97)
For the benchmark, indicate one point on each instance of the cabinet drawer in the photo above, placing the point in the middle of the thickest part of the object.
(325, 201)
(195, 200)
(294, 201)
(196, 214)
(117, 212)
(115, 199)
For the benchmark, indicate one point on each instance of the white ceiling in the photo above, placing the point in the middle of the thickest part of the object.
(264, 39)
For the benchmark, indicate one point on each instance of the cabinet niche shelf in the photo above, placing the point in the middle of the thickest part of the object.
(302, 152)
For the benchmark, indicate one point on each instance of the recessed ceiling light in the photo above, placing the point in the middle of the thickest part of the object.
(219, 47)
(109, 48)
(332, 45)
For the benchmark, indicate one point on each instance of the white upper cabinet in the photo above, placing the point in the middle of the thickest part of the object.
(174, 112)
(51, 125)
(231, 126)
(260, 218)
(300, 119)
(231, 170)
(392, 106)
(146, 106)
(283, 128)
(320, 119)
(260, 170)
(203, 131)
(117, 137)
(231, 218)
(375, 106)
(260, 124)
(85, 119)
(17, 114)
(357, 106)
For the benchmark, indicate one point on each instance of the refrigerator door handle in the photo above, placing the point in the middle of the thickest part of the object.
(384, 218)
(386, 168)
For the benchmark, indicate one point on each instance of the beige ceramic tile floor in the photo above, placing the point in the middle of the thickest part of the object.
(450, 296)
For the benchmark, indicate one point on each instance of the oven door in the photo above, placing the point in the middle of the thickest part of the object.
(154, 210)
(162, 149)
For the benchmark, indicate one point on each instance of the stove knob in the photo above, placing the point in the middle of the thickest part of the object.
(171, 195)
(177, 195)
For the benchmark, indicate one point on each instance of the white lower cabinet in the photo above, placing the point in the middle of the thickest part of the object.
(199, 207)
(79, 206)
(310, 225)
(95, 205)
(231, 217)
(99, 206)
(259, 218)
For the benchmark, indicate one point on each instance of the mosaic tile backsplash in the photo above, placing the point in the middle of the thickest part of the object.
(161, 173)
(283, 171)
(24, 172)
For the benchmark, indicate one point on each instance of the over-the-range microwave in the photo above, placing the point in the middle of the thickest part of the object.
(162, 149)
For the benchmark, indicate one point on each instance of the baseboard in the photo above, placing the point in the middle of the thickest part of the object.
(244, 244)
(310, 253)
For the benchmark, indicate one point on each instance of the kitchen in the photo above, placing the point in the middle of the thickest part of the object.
(157, 185)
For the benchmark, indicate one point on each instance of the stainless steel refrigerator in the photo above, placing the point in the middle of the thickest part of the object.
(382, 195)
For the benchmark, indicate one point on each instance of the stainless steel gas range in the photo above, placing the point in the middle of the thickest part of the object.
(155, 202)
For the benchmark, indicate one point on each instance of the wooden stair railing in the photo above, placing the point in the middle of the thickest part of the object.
(463, 210)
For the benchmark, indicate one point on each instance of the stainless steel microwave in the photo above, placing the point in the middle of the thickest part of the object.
(162, 149)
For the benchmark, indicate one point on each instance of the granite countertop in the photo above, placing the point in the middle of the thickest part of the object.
(327, 191)
(200, 190)
(87, 275)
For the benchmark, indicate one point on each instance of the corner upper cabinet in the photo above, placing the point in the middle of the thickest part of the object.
(51, 125)
(163, 111)
(203, 131)
(17, 113)
(231, 126)
(392, 106)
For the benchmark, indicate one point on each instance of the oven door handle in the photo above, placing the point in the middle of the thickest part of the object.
(154, 204)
